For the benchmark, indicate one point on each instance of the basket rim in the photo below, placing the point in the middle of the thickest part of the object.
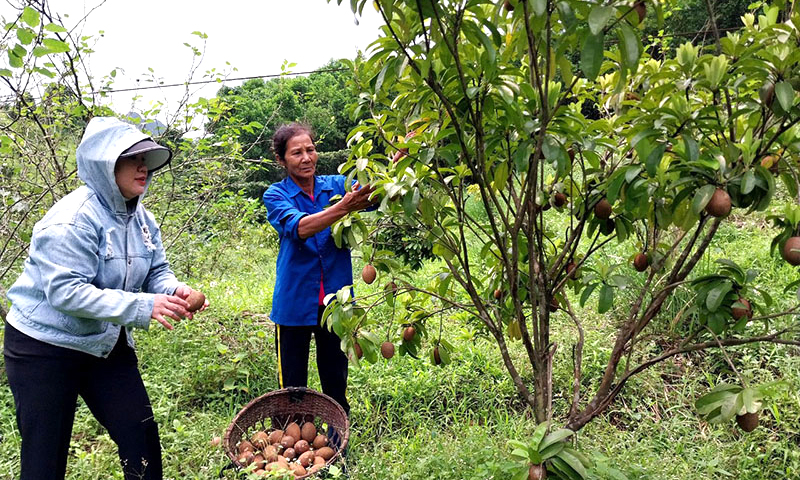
(345, 435)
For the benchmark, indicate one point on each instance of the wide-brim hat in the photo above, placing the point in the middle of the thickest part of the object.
(155, 155)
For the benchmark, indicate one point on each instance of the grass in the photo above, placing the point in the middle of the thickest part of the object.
(412, 420)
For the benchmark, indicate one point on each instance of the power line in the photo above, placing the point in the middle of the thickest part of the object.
(201, 82)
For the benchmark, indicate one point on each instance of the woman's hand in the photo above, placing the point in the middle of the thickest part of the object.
(171, 306)
(184, 291)
(358, 198)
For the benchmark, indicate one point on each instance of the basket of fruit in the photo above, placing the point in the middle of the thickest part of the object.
(295, 429)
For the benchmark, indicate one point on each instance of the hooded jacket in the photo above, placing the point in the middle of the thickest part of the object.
(95, 260)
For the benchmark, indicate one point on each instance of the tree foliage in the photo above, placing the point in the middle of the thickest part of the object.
(484, 105)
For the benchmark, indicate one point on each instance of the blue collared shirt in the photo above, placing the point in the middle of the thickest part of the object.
(295, 299)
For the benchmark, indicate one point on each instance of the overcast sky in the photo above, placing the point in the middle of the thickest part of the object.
(255, 37)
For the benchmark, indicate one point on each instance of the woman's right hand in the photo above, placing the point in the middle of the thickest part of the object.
(169, 306)
(358, 198)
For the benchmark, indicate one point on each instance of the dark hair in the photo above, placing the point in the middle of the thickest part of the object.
(285, 133)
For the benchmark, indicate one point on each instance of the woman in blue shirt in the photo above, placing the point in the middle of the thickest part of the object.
(309, 265)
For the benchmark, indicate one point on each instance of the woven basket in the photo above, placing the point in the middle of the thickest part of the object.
(278, 408)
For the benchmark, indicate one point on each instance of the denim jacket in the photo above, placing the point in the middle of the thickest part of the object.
(95, 261)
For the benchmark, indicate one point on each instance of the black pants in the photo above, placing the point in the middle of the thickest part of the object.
(292, 344)
(46, 381)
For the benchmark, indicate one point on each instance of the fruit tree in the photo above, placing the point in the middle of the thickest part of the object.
(546, 133)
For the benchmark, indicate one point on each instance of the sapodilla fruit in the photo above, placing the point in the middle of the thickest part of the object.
(308, 432)
(720, 204)
(387, 349)
(498, 294)
(559, 199)
(508, 5)
(747, 422)
(293, 430)
(640, 262)
(196, 300)
(739, 313)
(408, 333)
(325, 452)
(537, 472)
(358, 350)
(368, 274)
(437, 358)
(641, 10)
(603, 209)
(791, 251)
(319, 442)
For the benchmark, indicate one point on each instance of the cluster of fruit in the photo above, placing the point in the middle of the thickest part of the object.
(299, 449)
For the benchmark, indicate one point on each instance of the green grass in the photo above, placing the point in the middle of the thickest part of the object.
(413, 420)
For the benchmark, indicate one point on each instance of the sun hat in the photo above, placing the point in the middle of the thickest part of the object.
(155, 155)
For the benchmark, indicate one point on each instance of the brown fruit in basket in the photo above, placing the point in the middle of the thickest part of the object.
(259, 461)
(293, 430)
(260, 440)
(308, 432)
(315, 468)
(246, 457)
(319, 459)
(289, 454)
(196, 300)
(275, 436)
(326, 453)
(287, 441)
(245, 445)
(298, 470)
(319, 442)
(301, 447)
(270, 453)
(306, 459)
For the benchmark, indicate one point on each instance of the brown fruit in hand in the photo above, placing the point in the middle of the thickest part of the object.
(301, 447)
(791, 251)
(603, 209)
(559, 199)
(537, 472)
(326, 453)
(196, 300)
(641, 10)
(720, 204)
(275, 436)
(387, 349)
(293, 430)
(747, 422)
(739, 313)
(408, 333)
(308, 432)
(640, 262)
(319, 442)
(437, 359)
(306, 459)
(369, 273)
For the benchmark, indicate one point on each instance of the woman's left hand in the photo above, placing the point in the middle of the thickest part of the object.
(183, 292)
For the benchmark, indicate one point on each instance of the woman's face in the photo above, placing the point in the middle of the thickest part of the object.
(131, 176)
(300, 158)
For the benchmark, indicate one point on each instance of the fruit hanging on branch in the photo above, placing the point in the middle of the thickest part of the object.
(408, 333)
(508, 5)
(720, 204)
(602, 209)
(369, 273)
(537, 472)
(641, 10)
(641, 262)
(559, 199)
(791, 251)
(387, 349)
(744, 311)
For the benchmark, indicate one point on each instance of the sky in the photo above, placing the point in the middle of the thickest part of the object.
(255, 37)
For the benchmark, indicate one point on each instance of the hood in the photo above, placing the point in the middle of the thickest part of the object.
(104, 139)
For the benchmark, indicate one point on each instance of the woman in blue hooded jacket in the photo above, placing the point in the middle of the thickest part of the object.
(96, 269)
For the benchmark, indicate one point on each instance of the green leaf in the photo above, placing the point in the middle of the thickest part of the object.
(13, 60)
(573, 462)
(629, 46)
(557, 436)
(25, 35)
(55, 46)
(785, 94)
(539, 6)
(52, 27)
(4, 72)
(592, 56)
(606, 299)
(717, 295)
(702, 197)
(598, 18)
(30, 16)
(748, 182)
(654, 159)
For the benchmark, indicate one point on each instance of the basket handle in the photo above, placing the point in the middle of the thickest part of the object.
(296, 394)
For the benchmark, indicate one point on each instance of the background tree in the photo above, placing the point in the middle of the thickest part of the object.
(502, 153)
